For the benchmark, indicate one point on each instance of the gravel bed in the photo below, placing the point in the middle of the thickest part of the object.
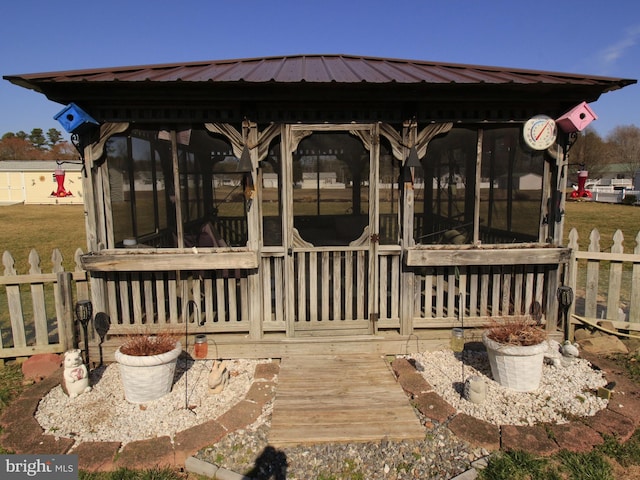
(439, 456)
(564, 390)
(103, 414)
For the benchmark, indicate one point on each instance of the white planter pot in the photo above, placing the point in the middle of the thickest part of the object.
(147, 378)
(516, 367)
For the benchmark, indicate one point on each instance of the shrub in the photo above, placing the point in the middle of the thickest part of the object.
(522, 331)
(629, 200)
(144, 345)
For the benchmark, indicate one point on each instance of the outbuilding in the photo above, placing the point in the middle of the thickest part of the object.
(329, 203)
(40, 182)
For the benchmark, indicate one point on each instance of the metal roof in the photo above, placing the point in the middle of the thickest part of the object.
(38, 165)
(319, 69)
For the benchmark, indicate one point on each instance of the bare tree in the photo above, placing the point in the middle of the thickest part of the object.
(590, 151)
(625, 143)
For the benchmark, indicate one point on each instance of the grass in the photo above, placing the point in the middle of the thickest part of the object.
(595, 465)
(128, 474)
(43, 228)
(607, 218)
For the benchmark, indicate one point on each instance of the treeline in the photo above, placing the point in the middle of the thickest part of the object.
(618, 153)
(36, 145)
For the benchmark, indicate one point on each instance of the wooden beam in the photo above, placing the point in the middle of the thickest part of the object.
(151, 260)
(494, 255)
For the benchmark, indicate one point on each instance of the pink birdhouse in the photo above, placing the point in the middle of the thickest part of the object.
(576, 119)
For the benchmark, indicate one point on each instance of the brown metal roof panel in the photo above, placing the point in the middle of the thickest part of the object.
(262, 71)
(365, 71)
(492, 77)
(315, 70)
(386, 72)
(294, 70)
(337, 68)
(320, 69)
(242, 72)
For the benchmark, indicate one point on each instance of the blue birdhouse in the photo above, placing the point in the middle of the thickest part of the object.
(73, 119)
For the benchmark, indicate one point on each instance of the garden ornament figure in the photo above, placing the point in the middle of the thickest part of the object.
(75, 377)
(218, 378)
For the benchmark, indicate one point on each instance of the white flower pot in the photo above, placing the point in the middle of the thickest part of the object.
(516, 367)
(147, 378)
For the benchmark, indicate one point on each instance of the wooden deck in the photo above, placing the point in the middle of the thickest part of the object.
(340, 398)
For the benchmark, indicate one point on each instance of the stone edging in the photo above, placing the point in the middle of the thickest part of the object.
(23, 434)
(619, 419)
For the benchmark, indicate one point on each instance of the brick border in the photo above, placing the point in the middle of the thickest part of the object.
(620, 419)
(23, 434)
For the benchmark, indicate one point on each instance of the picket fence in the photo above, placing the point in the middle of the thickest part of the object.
(37, 308)
(606, 284)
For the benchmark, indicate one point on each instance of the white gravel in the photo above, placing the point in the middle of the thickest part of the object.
(103, 414)
(564, 391)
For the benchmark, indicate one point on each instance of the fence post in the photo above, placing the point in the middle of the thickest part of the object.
(571, 279)
(64, 307)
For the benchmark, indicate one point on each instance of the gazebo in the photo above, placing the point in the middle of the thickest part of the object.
(329, 203)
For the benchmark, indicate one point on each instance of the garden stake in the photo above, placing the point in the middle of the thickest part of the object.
(102, 323)
(565, 299)
(84, 313)
(461, 314)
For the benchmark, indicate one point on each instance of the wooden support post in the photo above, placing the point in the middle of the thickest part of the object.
(64, 311)
(255, 304)
(407, 284)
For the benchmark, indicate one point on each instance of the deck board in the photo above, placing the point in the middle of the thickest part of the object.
(340, 398)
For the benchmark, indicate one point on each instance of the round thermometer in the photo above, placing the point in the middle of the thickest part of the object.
(540, 132)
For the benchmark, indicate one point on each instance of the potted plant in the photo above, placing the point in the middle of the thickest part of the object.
(147, 365)
(516, 349)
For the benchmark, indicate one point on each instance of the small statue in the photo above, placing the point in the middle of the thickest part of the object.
(570, 349)
(475, 389)
(569, 352)
(218, 378)
(75, 378)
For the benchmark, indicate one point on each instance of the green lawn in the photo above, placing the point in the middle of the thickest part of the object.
(607, 218)
(43, 228)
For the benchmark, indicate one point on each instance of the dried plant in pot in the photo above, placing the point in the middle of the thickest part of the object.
(516, 349)
(147, 365)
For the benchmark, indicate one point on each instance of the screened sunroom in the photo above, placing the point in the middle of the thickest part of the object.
(320, 202)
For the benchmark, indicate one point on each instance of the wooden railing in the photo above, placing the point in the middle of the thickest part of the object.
(36, 307)
(200, 301)
(448, 295)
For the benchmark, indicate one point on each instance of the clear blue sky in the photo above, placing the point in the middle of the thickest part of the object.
(586, 36)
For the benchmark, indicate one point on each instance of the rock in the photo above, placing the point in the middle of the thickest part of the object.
(552, 356)
(569, 349)
(603, 345)
(633, 344)
(40, 366)
(607, 325)
(582, 334)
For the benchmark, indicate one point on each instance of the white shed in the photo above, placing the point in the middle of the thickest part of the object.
(40, 182)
